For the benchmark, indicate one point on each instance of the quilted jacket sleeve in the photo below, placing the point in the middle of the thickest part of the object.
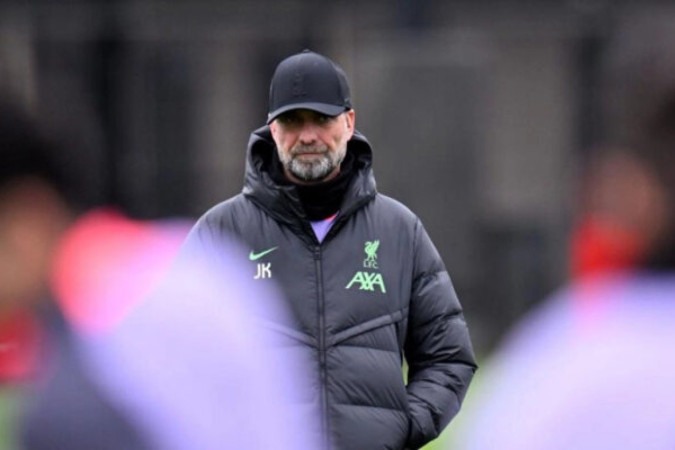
(205, 238)
(438, 347)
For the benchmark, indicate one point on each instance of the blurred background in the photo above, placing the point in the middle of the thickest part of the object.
(481, 113)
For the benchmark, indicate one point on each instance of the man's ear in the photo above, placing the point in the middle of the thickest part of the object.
(274, 129)
(350, 117)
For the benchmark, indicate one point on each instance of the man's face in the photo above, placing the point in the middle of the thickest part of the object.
(312, 145)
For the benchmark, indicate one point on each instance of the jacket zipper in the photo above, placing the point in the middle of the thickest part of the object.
(322, 344)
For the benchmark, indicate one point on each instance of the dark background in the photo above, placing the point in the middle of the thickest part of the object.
(481, 113)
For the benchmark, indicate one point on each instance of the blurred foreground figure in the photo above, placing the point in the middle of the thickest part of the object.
(593, 367)
(138, 349)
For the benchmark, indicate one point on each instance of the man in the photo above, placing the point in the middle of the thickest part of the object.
(134, 349)
(364, 280)
(591, 368)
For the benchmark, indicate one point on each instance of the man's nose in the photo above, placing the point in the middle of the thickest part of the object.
(308, 133)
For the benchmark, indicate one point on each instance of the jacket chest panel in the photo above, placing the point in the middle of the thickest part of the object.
(364, 280)
(363, 275)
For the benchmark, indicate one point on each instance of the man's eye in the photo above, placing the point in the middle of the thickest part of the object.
(288, 119)
(323, 119)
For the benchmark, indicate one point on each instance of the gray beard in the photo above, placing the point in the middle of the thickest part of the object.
(311, 171)
(316, 170)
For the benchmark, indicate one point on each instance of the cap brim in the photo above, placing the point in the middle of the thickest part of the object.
(323, 108)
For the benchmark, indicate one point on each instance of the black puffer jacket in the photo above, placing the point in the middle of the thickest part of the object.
(375, 290)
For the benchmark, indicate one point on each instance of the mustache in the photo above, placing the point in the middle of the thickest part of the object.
(304, 149)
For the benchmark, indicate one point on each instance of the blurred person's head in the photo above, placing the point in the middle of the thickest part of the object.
(37, 202)
(629, 204)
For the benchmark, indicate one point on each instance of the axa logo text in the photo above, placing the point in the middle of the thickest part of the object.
(367, 281)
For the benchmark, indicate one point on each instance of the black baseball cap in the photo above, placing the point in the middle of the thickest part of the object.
(308, 80)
